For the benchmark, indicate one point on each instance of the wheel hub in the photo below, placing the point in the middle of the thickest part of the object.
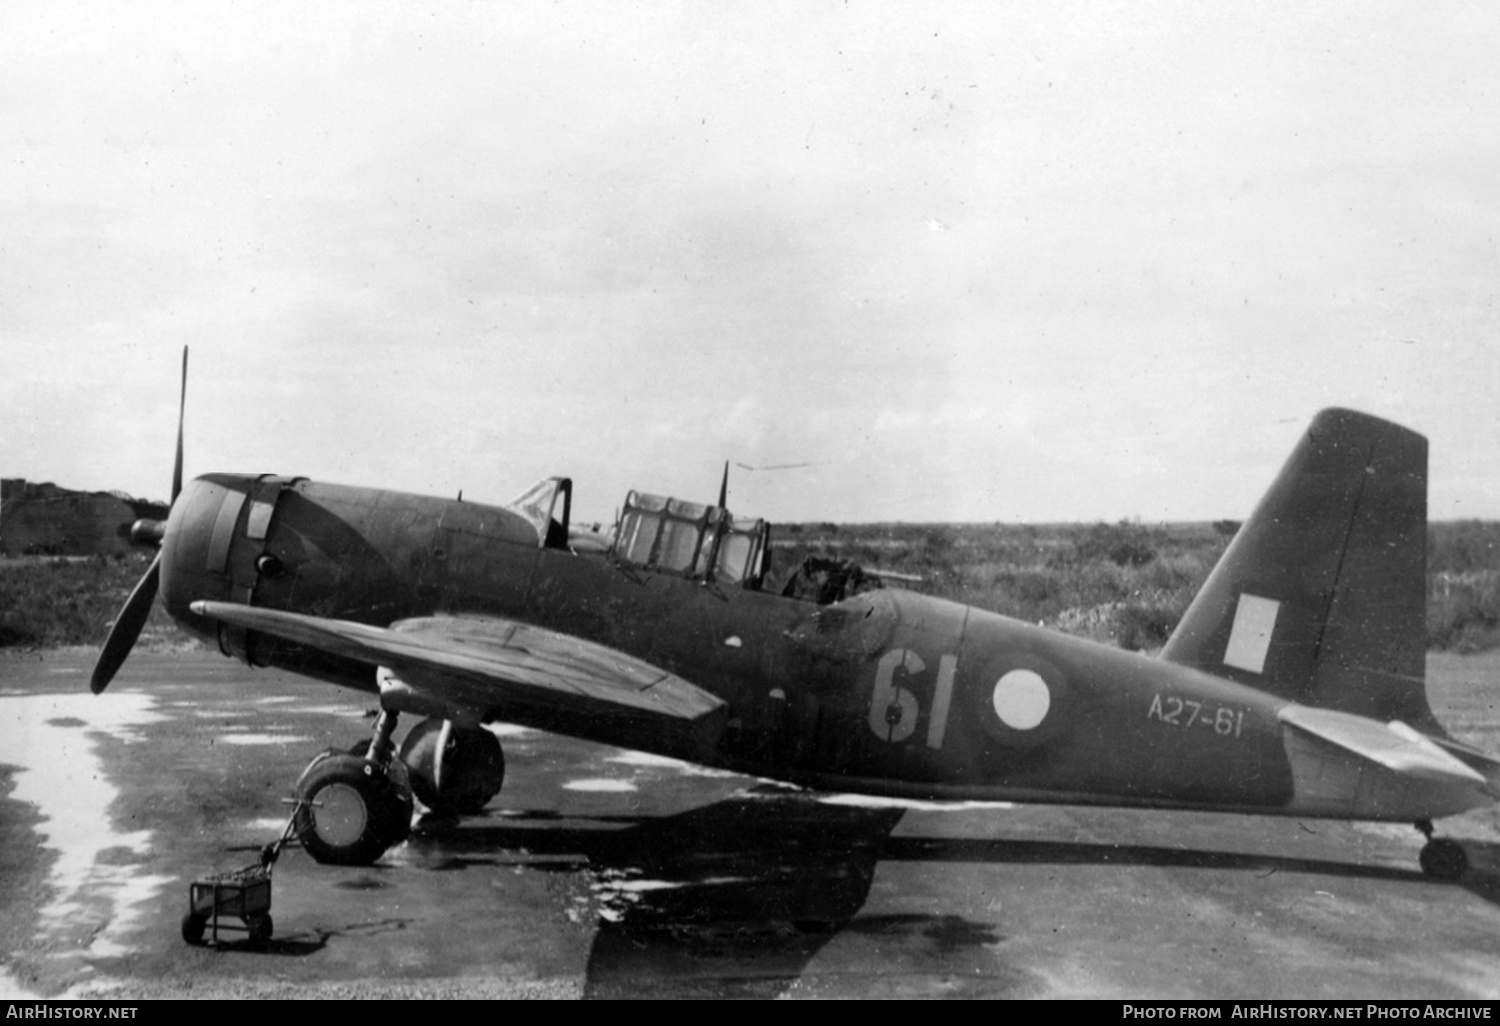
(339, 814)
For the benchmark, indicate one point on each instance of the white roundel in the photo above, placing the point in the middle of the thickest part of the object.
(1021, 699)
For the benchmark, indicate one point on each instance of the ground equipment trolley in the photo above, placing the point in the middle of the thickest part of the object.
(243, 894)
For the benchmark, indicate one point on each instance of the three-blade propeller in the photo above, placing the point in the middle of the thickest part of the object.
(137, 608)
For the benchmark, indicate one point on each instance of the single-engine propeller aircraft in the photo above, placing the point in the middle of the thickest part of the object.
(1293, 686)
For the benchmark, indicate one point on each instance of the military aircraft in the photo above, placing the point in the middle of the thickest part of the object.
(1293, 685)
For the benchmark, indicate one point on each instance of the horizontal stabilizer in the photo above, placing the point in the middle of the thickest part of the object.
(1486, 765)
(1395, 746)
(489, 664)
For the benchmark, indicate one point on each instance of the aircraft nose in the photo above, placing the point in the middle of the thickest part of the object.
(196, 543)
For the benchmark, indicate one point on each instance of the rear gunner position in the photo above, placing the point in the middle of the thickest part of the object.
(1293, 685)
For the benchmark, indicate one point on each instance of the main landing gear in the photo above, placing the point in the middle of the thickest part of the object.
(454, 770)
(353, 806)
(1442, 858)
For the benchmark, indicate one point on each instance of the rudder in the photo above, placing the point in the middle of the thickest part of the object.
(1321, 597)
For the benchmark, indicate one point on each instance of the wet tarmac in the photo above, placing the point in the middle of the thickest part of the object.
(604, 873)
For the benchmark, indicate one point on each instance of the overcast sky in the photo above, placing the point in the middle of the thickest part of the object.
(1000, 261)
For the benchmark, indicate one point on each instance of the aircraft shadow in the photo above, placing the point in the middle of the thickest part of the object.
(736, 897)
(1483, 876)
(1481, 879)
(923, 849)
(728, 900)
(302, 943)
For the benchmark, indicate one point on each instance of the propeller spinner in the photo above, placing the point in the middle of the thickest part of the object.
(137, 608)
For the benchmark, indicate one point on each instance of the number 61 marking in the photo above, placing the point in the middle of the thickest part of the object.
(893, 709)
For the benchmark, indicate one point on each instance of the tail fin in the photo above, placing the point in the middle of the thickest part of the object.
(1321, 597)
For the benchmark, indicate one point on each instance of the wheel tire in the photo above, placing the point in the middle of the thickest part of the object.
(192, 928)
(352, 810)
(260, 928)
(474, 770)
(1444, 859)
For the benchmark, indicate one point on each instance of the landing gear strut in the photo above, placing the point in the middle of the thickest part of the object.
(1442, 858)
(354, 807)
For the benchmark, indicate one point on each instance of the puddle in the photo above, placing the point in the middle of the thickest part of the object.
(615, 892)
(98, 895)
(353, 711)
(508, 730)
(261, 739)
(869, 801)
(646, 760)
(260, 826)
(599, 784)
(636, 886)
(13, 991)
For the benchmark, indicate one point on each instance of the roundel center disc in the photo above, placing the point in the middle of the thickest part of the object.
(1021, 699)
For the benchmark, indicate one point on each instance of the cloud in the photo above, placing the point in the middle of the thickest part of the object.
(428, 248)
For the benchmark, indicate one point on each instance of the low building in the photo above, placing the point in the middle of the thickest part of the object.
(42, 519)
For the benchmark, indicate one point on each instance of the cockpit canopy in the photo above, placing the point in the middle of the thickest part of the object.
(547, 505)
(705, 542)
(655, 532)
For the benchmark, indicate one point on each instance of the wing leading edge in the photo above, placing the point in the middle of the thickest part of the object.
(479, 667)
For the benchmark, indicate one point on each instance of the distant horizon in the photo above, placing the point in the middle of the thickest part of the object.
(1205, 522)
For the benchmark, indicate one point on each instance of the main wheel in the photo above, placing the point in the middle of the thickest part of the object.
(453, 769)
(352, 810)
(1443, 858)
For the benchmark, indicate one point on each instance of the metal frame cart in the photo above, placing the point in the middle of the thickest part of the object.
(243, 894)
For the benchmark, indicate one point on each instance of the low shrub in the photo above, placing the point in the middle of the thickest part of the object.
(52, 602)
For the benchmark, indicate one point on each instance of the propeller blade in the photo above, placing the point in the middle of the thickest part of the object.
(127, 627)
(724, 488)
(137, 608)
(181, 412)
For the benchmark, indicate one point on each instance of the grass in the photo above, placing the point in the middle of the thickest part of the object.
(1463, 586)
(53, 602)
(1128, 583)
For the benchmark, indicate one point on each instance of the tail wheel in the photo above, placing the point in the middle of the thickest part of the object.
(453, 769)
(352, 810)
(1443, 859)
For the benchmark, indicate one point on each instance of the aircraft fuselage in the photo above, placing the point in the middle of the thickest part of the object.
(886, 692)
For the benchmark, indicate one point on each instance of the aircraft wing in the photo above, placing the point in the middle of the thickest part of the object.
(473, 667)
